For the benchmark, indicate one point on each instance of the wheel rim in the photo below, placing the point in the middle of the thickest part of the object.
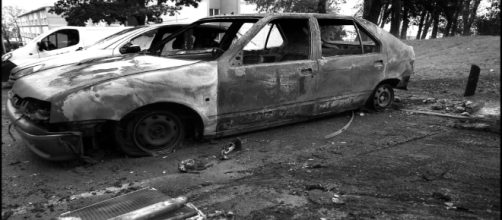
(156, 131)
(382, 97)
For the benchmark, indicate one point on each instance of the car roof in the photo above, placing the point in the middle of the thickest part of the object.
(278, 15)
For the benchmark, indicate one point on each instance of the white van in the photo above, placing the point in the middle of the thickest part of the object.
(56, 41)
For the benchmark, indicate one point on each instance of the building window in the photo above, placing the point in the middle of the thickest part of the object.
(214, 11)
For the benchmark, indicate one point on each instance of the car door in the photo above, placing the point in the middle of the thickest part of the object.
(271, 80)
(348, 72)
(59, 42)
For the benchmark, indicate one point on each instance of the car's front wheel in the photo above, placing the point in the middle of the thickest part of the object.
(382, 97)
(149, 133)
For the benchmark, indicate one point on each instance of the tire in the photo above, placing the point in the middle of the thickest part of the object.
(149, 133)
(381, 98)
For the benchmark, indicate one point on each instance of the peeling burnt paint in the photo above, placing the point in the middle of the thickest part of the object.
(112, 100)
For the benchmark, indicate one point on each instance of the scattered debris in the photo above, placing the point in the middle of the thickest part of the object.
(320, 197)
(341, 129)
(221, 215)
(479, 126)
(7, 214)
(235, 145)
(192, 166)
(15, 162)
(441, 196)
(309, 187)
(437, 106)
(337, 199)
(450, 206)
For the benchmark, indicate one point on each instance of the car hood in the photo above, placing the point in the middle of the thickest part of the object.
(31, 66)
(46, 85)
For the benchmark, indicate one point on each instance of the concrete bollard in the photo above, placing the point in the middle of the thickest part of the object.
(472, 82)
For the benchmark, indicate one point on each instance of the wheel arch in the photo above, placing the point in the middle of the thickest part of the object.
(192, 118)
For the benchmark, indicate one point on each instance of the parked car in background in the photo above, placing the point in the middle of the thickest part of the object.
(133, 40)
(262, 71)
(53, 42)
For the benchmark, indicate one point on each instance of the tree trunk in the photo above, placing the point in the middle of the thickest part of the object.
(472, 16)
(435, 18)
(322, 6)
(396, 18)
(406, 21)
(371, 10)
(428, 21)
(455, 18)
(386, 13)
(421, 24)
(465, 17)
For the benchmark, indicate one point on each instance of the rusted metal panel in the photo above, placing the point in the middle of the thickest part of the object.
(117, 89)
(399, 55)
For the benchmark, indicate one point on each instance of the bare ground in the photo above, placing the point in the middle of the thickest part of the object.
(391, 164)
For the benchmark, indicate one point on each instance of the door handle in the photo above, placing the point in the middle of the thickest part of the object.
(306, 72)
(378, 64)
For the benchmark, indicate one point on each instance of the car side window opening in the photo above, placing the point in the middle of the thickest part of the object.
(150, 38)
(144, 40)
(369, 44)
(339, 37)
(279, 41)
(60, 39)
(208, 39)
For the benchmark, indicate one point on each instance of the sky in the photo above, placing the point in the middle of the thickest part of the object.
(29, 5)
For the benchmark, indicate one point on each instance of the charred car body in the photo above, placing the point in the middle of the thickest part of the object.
(263, 71)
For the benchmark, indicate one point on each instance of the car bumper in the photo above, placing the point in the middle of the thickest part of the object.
(403, 83)
(56, 146)
(7, 66)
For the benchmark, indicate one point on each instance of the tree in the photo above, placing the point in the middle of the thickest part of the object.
(468, 15)
(489, 24)
(129, 12)
(10, 25)
(396, 17)
(371, 10)
(305, 6)
(435, 20)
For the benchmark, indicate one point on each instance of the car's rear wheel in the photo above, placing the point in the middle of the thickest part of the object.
(382, 97)
(149, 133)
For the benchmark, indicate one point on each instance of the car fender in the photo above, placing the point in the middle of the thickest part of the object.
(193, 86)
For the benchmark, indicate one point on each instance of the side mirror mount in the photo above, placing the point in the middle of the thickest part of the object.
(130, 48)
(41, 46)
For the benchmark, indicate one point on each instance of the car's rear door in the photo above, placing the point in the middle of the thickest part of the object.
(348, 71)
(271, 80)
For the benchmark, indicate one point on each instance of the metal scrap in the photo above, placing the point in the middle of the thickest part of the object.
(341, 129)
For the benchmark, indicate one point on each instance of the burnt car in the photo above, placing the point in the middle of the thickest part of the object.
(264, 70)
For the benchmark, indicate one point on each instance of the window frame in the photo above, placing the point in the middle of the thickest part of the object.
(311, 36)
(370, 35)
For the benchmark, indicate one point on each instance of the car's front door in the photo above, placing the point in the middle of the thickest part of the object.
(271, 80)
(348, 72)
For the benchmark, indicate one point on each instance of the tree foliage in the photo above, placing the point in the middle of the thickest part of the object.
(489, 24)
(10, 26)
(303, 6)
(130, 12)
(444, 17)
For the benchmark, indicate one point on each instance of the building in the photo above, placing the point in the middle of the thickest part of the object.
(35, 22)
(210, 8)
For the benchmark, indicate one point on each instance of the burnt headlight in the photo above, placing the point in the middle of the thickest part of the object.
(34, 109)
(26, 71)
(6, 56)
